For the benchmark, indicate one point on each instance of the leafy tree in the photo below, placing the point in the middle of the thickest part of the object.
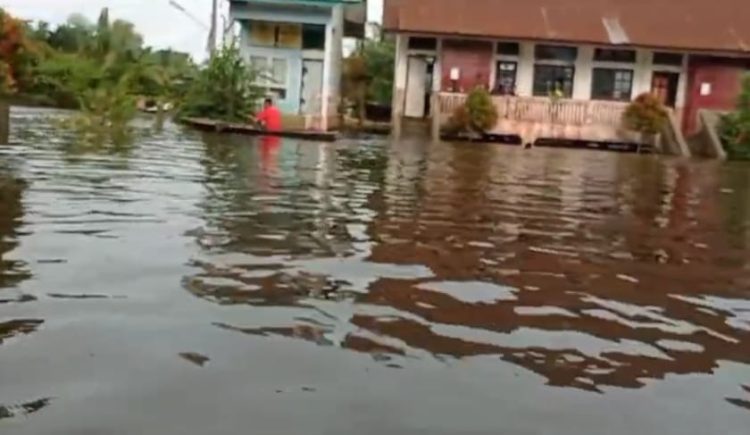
(380, 58)
(223, 89)
(11, 46)
(735, 127)
(646, 115)
(368, 75)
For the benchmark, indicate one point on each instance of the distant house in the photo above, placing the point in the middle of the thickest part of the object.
(297, 47)
(595, 54)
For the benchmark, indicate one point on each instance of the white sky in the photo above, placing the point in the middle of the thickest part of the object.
(161, 25)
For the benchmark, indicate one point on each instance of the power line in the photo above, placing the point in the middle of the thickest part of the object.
(190, 15)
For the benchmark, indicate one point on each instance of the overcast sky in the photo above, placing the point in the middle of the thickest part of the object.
(161, 25)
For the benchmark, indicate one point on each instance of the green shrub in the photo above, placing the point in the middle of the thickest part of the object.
(476, 116)
(224, 89)
(481, 110)
(735, 127)
(646, 115)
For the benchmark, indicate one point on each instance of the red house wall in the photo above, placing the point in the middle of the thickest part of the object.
(724, 76)
(473, 58)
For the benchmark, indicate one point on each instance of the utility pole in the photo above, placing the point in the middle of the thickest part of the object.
(212, 33)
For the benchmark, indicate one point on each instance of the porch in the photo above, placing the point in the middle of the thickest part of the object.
(533, 118)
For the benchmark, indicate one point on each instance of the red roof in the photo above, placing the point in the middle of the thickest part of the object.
(700, 25)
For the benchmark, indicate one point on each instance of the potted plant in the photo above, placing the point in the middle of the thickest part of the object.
(647, 116)
(476, 116)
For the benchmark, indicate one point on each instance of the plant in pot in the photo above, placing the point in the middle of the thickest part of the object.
(475, 117)
(647, 116)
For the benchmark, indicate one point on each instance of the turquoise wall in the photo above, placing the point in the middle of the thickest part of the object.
(294, 71)
(284, 13)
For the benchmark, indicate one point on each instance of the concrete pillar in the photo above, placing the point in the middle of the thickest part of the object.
(326, 91)
(399, 83)
(525, 74)
(682, 85)
(643, 71)
(437, 78)
(584, 73)
(4, 122)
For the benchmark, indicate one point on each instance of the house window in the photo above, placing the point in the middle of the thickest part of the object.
(281, 35)
(505, 82)
(272, 74)
(668, 59)
(612, 84)
(550, 78)
(427, 44)
(613, 55)
(508, 48)
(556, 52)
(313, 37)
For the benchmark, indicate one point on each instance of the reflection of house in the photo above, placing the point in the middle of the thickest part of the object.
(594, 54)
(297, 46)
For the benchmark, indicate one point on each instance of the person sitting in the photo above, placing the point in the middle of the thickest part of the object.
(270, 117)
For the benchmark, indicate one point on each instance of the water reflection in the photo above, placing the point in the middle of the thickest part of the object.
(217, 270)
(588, 269)
(12, 271)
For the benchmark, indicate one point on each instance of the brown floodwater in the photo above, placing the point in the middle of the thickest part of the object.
(196, 284)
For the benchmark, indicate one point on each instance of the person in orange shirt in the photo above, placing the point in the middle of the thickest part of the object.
(270, 117)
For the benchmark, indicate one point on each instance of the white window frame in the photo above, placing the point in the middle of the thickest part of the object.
(266, 80)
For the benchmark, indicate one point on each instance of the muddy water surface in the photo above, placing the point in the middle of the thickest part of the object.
(216, 285)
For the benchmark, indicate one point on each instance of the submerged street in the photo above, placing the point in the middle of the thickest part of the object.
(196, 284)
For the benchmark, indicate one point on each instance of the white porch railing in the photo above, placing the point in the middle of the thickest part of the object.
(545, 110)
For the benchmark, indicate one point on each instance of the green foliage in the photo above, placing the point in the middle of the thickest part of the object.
(60, 64)
(481, 110)
(105, 116)
(477, 115)
(646, 115)
(63, 78)
(368, 74)
(735, 127)
(379, 58)
(224, 89)
(100, 68)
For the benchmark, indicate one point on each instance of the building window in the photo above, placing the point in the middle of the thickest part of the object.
(505, 81)
(553, 79)
(556, 52)
(613, 55)
(280, 35)
(313, 37)
(272, 74)
(668, 59)
(508, 48)
(427, 44)
(612, 84)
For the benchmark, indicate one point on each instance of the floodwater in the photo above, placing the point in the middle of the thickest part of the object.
(221, 285)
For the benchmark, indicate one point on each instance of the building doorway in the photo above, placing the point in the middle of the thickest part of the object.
(418, 86)
(505, 80)
(664, 86)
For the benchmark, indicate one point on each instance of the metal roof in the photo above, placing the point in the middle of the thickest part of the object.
(699, 25)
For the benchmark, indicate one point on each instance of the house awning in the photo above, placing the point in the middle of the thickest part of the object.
(691, 25)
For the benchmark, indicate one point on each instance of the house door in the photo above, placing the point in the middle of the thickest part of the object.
(664, 87)
(416, 87)
(312, 87)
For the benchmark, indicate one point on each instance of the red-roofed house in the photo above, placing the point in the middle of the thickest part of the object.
(597, 54)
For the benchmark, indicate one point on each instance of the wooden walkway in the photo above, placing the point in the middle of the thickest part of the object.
(252, 130)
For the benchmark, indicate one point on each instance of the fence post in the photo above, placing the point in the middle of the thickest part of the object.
(4, 122)
(437, 111)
